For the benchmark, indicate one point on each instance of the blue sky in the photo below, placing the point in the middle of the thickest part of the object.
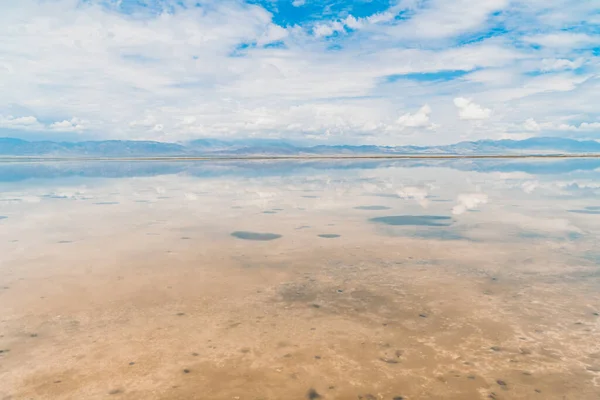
(334, 71)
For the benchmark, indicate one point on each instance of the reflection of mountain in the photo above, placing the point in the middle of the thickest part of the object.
(19, 171)
(266, 147)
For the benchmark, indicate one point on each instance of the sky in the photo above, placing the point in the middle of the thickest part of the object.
(382, 72)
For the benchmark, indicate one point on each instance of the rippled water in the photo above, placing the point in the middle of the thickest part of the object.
(416, 279)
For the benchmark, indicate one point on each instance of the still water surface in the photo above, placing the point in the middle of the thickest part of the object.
(441, 279)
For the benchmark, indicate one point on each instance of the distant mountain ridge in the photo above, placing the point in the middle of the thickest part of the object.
(273, 147)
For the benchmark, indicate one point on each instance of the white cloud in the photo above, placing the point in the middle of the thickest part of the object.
(469, 110)
(531, 125)
(563, 40)
(469, 201)
(420, 119)
(325, 30)
(560, 64)
(75, 124)
(298, 3)
(26, 123)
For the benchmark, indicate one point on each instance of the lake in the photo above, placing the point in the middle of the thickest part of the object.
(316, 279)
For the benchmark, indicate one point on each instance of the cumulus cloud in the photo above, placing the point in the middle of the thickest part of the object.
(25, 123)
(469, 201)
(420, 119)
(531, 125)
(469, 110)
(72, 125)
(298, 3)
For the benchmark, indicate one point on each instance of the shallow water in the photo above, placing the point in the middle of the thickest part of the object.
(442, 279)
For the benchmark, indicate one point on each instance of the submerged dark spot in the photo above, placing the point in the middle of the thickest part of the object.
(255, 236)
(115, 391)
(33, 335)
(414, 220)
(106, 203)
(3, 217)
(471, 377)
(423, 315)
(311, 197)
(132, 363)
(57, 381)
(496, 348)
(372, 208)
(367, 396)
(65, 241)
(317, 357)
(398, 398)
(312, 394)
(538, 391)
(186, 371)
(329, 235)
(269, 212)
(315, 306)
(501, 382)
(587, 211)
(389, 360)
(195, 354)
(180, 314)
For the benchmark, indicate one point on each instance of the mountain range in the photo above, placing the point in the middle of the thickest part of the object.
(270, 147)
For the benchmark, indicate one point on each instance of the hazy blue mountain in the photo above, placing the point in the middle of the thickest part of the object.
(106, 148)
(273, 147)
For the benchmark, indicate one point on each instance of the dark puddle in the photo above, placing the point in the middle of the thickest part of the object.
(3, 217)
(269, 212)
(329, 235)
(311, 197)
(255, 236)
(106, 203)
(588, 210)
(414, 220)
(372, 208)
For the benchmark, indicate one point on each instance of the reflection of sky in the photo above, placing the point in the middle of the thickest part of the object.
(511, 203)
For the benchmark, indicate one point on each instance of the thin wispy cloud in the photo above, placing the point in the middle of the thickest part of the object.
(375, 72)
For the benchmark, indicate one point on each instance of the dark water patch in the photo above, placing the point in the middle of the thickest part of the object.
(442, 201)
(372, 208)
(64, 241)
(586, 211)
(329, 235)
(311, 197)
(278, 209)
(536, 235)
(3, 217)
(142, 201)
(255, 235)
(414, 220)
(269, 212)
(106, 203)
(593, 208)
(312, 394)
